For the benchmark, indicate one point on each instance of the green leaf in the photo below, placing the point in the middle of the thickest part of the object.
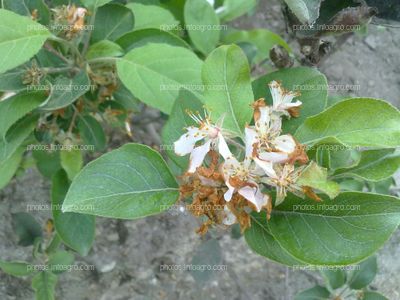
(363, 276)
(92, 132)
(260, 240)
(12, 79)
(336, 232)
(14, 108)
(26, 228)
(228, 93)
(71, 161)
(353, 123)
(156, 73)
(76, 230)
(44, 284)
(310, 82)
(307, 11)
(47, 162)
(60, 261)
(373, 296)
(342, 158)
(382, 187)
(112, 21)
(142, 37)
(202, 25)
(16, 135)
(20, 39)
(26, 7)
(152, 16)
(66, 91)
(316, 293)
(124, 97)
(335, 278)
(104, 48)
(317, 177)
(128, 183)
(233, 9)
(16, 268)
(374, 165)
(174, 128)
(9, 166)
(351, 185)
(207, 254)
(92, 4)
(263, 39)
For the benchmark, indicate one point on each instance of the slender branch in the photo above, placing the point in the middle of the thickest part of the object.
(50, 48)
(71, 46)
(59, 70)
(72, 124)
(89, 34)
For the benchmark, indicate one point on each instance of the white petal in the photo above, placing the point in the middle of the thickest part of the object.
(276, 93)
(229, 193)
(288, 97)
(230, 218)
(264, 120)
(294, 104)
(280, 195)
(285, 143)
(186, 142)
(251, 139)
(267, 167)
(223, 148)
(275, 157)
(254, 195)
(197, 156)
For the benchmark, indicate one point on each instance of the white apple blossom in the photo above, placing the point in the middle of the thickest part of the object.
(284, 179)
(270, 145)
(243, 177)
(210, 133)
(282, 100)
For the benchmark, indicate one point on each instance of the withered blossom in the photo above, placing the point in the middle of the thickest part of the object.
(225, 188)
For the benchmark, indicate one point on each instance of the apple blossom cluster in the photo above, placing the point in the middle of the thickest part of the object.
(225, 189)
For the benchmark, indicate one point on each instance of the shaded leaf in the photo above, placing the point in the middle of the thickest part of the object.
(76, 230)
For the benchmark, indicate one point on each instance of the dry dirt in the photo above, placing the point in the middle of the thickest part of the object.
(127, 254)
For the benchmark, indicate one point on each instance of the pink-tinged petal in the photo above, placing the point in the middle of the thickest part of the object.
(223, 148)
(197, 156)
(254, 195)
(266, 166)
(251, 139)
(229, 218)
(229, 193)
(186, 142)
(285, 143)
(275, 157)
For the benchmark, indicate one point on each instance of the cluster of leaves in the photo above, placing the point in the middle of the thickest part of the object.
(162, 53)
(340, 284)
